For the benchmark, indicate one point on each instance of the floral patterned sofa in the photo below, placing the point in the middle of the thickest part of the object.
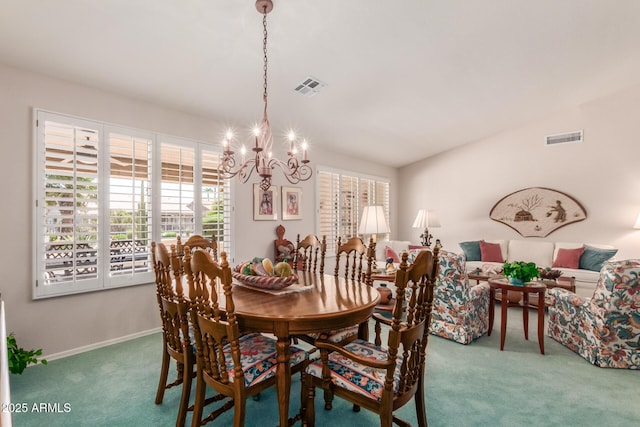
(460, 310)
(604, 329)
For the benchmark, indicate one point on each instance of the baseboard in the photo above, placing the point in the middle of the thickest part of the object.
(101, 344)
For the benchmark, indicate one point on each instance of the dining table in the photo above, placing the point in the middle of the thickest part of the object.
(317, 303)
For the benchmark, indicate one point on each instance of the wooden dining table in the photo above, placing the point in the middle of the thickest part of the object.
(328, 303)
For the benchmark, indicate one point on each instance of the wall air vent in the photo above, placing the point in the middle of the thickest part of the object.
(310, 86)
(564, 138)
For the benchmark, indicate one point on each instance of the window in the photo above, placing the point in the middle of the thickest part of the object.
(104, 192)
(341, 198)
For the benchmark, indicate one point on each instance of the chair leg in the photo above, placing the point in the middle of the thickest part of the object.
(184, 398)
(421, 413)
(198, 400)
(239, 411)
(164, 374)
(309, 393)
(328, 398)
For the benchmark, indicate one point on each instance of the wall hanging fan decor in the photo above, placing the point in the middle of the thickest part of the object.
(537, 211)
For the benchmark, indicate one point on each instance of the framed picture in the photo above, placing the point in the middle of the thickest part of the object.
(291, 203)
(265, 203)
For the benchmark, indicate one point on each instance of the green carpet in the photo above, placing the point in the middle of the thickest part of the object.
(473, 385)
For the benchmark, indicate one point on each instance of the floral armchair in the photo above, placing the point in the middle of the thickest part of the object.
(604, 329)
(460, 310)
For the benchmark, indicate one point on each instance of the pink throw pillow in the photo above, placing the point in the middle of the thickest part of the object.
(568, 258)
(390, 253)
(490, 252)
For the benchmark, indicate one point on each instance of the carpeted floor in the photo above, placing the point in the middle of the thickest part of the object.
(473, 385)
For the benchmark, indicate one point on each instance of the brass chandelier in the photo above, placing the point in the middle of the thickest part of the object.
(262, 160)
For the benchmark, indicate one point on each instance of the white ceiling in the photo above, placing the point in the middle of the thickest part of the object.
(405, 79)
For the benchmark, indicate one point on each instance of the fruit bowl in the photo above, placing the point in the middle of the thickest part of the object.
(263, 282)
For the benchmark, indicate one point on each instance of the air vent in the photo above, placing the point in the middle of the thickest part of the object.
(310, 86)
(564, 138)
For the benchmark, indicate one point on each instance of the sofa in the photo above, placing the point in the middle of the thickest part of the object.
(580, 260)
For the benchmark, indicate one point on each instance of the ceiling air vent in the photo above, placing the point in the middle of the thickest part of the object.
(310, 86)
(564, 138)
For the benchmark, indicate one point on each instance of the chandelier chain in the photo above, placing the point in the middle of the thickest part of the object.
(264, 51)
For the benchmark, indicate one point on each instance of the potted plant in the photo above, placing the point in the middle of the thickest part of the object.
(19, 358)
(520, 272)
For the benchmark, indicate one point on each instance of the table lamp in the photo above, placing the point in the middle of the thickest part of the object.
(426, 219)
(373, 222)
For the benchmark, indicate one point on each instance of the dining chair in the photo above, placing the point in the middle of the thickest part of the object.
(177, 344)
(309, 252)
(197, 241)
(234, 364)
(382, 379)
(353, 252)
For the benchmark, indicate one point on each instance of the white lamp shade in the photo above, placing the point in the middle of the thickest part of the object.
(637, 224)
(426, 219)
(373, 221)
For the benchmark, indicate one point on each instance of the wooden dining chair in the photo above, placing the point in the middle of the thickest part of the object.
(382, 379)
(196, 241)
(234, 364)
(350, 257)
(352, 253)
(309, 252)
(177, 344)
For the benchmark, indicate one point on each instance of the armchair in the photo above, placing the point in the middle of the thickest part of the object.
(460, 310)
(603, 329)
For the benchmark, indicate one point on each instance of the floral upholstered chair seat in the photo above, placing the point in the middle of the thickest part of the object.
(355, 376)
(604, 329)
(460, 310)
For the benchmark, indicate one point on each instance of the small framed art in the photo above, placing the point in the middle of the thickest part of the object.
(265, 203)
(291, 203)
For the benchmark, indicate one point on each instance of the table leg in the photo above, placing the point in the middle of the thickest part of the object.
(492, 308)
(525, 314)
(283, 374)
(541, 321)
(503, 321)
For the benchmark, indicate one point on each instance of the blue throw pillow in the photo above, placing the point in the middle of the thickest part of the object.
(471, 250)
(593, 258)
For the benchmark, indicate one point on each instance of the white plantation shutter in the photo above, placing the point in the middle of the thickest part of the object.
(177, 190)
(216, 201)
(103, 193)
(67, 218)
(129, 201)
(341, 198)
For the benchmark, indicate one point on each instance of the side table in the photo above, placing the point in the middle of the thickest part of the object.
(568, 283)
(529, 288)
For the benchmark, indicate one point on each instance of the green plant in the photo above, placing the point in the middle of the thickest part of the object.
(524, 271)
(19, 358)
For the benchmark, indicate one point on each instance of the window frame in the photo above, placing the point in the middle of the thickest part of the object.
(357, 198)
(107, 278)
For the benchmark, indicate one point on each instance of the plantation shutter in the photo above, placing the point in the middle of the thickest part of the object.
(216, 201)
(177, 190)
(129, 201)
(67, 218)
(329, 205)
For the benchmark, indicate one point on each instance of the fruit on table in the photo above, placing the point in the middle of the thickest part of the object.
(282, 269)
(268, 266)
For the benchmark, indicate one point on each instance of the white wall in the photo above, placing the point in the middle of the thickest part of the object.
(65, 323)
(602, 173)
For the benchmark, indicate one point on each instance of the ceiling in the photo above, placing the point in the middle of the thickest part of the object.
(405, 79)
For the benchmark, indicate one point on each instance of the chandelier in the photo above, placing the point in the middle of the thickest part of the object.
(262, 160)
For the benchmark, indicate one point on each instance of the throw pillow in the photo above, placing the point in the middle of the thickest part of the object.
(390, 253)
(490, 252)
(418, 247)
(593, 258)
(471, 250)
(568, 258)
